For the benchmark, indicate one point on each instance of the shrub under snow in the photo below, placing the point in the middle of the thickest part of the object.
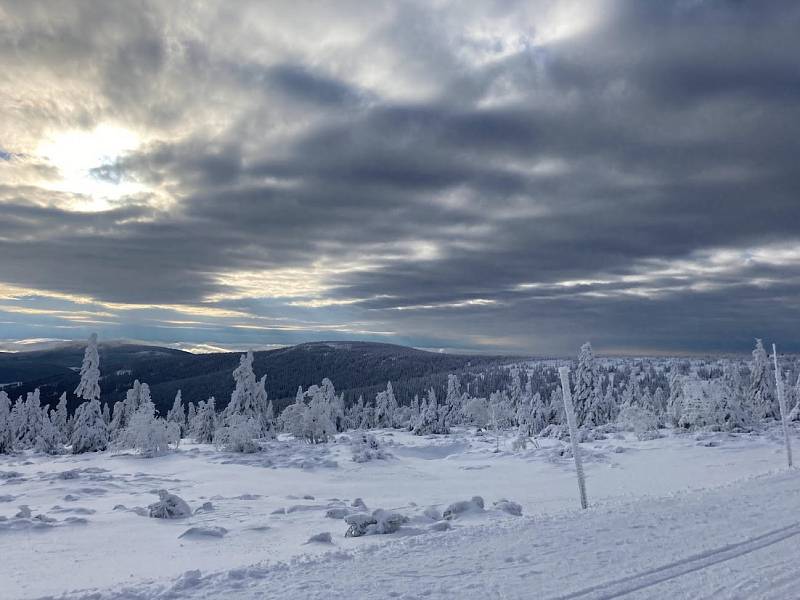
(366, 447)
(238, 435)
(379, 522)
(169, 506)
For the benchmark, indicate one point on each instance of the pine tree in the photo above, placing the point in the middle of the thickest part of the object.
(89, 386)
(106, 414)
(89, 432)
(453, 399)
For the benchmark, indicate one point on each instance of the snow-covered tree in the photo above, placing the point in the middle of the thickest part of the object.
(49, 439)
(454, 399)
(61, 418)
(761, 394)
(191, 415)
(205, 422)
(135, 397)
(89, 431)
(385, 407)
(106, 414)
(430, 420)
(238, 434)
(7, 433)
(586, 397)
(147, 433)
(317, 420)
(176, 414)
(89, 386)
(243, 398)
(29, 420)
(292, 417)
(475, 411)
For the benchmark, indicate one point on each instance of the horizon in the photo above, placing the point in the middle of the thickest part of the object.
(503, 178)
(43, 344)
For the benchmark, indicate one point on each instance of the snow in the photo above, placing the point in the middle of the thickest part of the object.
(655, 514)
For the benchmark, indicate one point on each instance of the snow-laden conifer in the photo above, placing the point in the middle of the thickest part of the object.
(89, 386)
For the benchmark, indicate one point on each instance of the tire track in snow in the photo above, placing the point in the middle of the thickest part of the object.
(633, 583)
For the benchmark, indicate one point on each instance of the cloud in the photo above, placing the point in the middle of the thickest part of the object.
(510, 176)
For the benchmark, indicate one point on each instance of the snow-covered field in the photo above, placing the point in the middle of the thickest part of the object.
(86, 528)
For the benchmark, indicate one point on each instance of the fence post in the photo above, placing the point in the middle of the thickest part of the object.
(573, 433)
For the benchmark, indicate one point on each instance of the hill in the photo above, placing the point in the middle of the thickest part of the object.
(354, 367)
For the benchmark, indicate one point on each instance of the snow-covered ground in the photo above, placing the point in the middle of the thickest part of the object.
(648, 521)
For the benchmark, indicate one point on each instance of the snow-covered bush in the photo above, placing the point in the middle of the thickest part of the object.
(379, 522)
(476, 412)
(169, 506)
(366, 447)
(642, 421)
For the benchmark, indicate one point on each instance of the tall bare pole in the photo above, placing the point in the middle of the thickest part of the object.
(782, 405)
(573, 433)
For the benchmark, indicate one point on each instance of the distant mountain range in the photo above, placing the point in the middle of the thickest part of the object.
(354, 367)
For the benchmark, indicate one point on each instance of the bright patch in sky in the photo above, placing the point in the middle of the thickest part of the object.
(75, 153)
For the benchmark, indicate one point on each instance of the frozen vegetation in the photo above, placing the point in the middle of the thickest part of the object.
(245, 501)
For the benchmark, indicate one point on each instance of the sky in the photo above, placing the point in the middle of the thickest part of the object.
(493, 177)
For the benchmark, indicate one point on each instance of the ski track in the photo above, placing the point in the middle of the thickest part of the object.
(627, 585)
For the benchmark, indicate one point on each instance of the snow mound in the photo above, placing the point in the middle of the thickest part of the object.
(322, 538)
(463, 507)
(169, 506)
(509, 506)
(378, 523)
(201, 532)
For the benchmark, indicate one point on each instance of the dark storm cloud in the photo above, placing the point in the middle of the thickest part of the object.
(493, 190)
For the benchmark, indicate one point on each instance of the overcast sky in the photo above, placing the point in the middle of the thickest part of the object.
(473, 176)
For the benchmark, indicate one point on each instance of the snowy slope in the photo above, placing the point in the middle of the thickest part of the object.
(84, 527)
(742, 541)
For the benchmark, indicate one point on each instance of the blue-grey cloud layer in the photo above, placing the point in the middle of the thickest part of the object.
(452, 176)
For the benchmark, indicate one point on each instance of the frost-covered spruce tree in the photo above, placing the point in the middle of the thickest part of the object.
(292, 417)
(191, 413)
(147, 433)
(117, 418)
(586, 398)
(317, 421)
(243, 398)
(29, 420)
(454, 399)
(89, 431)
(384, 408)
(135, 397)
(335, 404)
(89, 386)
(106, 414)
(176, 414)
(7, 434)
(475, 411)
(429, 420)
(414, 416)
(49, 439)
(354, 413)
(264, 413)
(205, 422)
(761, 395)
(61, 418)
